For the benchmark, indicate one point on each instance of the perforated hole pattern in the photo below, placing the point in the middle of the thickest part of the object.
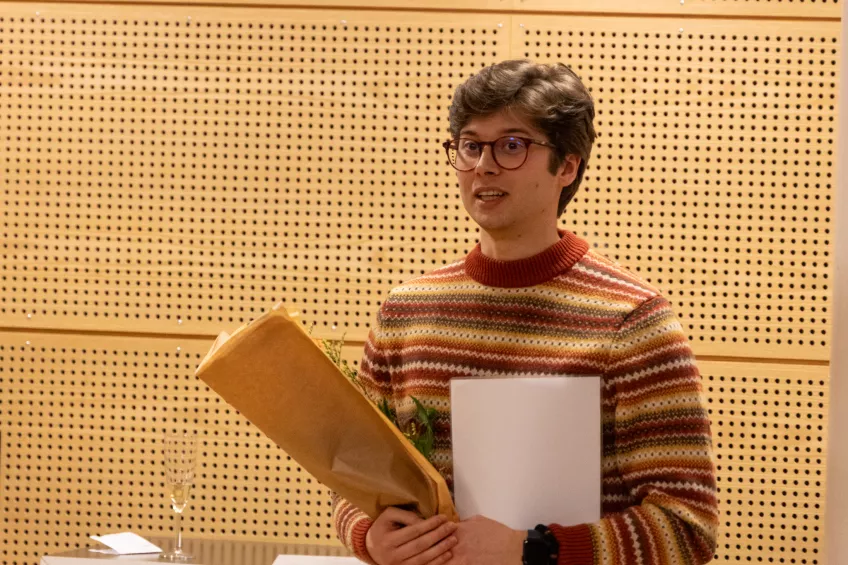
(178, 173)
(185, 175)
(81, 452)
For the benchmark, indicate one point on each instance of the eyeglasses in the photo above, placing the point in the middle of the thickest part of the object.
(509, 152)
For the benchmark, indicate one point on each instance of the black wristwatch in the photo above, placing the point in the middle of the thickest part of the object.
(540, 547)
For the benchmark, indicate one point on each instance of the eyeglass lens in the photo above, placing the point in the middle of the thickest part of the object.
(508, 152)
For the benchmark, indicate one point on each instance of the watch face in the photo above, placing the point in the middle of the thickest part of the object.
(536, 551)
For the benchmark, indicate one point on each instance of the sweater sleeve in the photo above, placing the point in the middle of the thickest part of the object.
(662, 448)
(351, 523)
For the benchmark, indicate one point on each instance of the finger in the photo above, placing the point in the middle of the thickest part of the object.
(414, 531)
(439, 553)
(446, 557)
(399, 516)
(423, 543)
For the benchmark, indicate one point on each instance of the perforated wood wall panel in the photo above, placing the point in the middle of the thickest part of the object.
(794, 9)
(769, 424)
(713, 175)
(82, 419)
(193, 172)
(167, 173)
(81, 424)
(187, 174)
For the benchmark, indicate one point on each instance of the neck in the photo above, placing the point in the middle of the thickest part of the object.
(511, 247)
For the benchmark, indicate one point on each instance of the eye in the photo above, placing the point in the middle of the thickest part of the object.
(469, 146)
(511, 145)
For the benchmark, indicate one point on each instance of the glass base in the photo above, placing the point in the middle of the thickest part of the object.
(175, 556)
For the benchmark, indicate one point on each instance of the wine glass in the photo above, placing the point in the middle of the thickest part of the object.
(180, 460)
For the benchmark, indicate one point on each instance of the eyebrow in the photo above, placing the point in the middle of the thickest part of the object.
(503, 132)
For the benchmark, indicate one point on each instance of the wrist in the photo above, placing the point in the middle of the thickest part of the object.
(518, 537)
(368, 544)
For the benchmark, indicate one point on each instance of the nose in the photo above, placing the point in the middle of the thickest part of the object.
(486, 165)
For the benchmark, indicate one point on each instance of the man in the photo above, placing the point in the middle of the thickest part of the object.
(532, 299)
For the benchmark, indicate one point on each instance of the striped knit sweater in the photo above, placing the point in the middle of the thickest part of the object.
(566, 311)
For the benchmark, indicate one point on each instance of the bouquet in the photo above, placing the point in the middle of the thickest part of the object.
(282, 381)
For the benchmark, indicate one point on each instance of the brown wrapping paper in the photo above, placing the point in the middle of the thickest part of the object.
(275, 375)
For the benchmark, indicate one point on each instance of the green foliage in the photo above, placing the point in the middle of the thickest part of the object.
(333, 350)
(419, 430)
(422, 435)
(388, 411)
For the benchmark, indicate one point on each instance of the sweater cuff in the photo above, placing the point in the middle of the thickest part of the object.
(575, 544)
(357, 540)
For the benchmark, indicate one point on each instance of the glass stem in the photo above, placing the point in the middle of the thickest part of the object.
(179, 548)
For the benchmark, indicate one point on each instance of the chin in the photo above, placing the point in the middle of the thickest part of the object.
(494, 228)
(493, 224)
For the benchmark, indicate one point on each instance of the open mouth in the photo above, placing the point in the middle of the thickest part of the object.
(490, 195)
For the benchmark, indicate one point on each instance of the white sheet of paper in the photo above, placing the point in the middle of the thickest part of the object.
(126, 543)
(527, 450)
(314, 560)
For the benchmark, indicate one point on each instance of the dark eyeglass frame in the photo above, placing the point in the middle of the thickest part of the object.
(527, 141)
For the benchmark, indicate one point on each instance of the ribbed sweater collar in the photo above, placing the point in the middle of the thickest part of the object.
(540, 268)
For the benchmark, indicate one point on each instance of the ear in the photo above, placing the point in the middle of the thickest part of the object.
(567, 171)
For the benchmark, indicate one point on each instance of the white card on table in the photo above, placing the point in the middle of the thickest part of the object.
(527, 450)
(127, 543)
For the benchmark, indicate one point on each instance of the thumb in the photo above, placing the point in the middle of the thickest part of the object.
(393, 517)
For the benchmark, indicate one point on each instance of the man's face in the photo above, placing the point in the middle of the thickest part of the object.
(526, 198)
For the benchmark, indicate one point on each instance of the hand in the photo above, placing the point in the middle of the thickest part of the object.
(486, 542)
(398, 536)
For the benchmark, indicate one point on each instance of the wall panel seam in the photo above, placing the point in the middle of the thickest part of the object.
(611, 14)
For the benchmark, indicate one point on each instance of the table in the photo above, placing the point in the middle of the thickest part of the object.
(205, 552)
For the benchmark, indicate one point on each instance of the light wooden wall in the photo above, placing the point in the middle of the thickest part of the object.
(171, 171)
(836, 501)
